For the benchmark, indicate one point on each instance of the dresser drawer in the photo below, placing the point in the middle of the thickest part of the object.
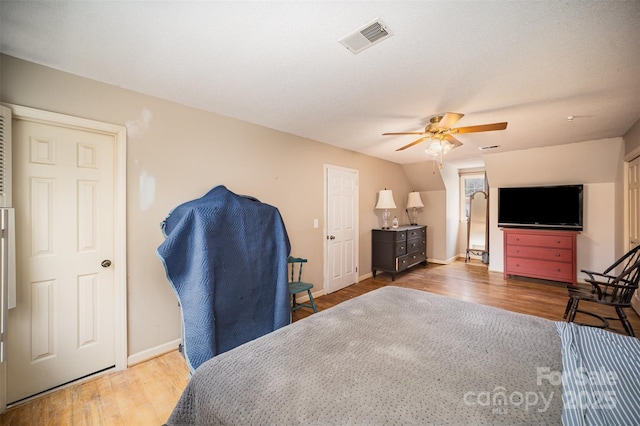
(416, 233)
(416, 244)
(541, 240)
(557, 255)
(389, 236)
(540, 268)
(401, 248)
(411, 259)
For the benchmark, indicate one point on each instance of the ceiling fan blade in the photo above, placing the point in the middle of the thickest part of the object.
(456, 143)
(480, 128)
(449, 119)
(404, 133)
(412, 144)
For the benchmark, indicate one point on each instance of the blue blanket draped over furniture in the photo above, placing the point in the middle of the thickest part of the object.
(225, 256)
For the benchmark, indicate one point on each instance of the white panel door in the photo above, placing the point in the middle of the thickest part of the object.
(634, 203)
(342, 220)
(634, 214)
(63, 325)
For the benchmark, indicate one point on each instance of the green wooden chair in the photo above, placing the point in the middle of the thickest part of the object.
(298, 286)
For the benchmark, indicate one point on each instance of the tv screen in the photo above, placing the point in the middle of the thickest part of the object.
(558, 207)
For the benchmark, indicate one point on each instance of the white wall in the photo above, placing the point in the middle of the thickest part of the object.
(451, 181)
(433, 215)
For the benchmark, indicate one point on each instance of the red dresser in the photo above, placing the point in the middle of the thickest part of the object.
(544, 254)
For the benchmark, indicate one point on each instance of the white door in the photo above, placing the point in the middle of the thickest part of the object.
(342, 228)
(63, 325)
(634, 213)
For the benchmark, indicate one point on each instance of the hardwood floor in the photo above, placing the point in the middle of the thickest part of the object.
(146, 393)
(141, 395)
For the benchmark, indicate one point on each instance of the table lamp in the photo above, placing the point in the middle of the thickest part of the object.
(414, 203)
(385, 201)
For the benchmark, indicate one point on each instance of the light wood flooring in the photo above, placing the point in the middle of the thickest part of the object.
(146, 393)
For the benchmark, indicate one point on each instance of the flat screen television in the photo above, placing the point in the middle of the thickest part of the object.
(555, 207)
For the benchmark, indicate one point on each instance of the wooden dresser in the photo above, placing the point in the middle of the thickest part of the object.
(544, 254)
(394, 250)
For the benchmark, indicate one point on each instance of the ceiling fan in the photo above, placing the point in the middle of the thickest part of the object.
(441, 132)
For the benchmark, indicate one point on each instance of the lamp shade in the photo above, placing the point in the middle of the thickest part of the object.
(414, 200)
(385, 200)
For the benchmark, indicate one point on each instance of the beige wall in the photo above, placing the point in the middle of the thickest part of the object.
(177, 153)
(426, 178)
(632, 139)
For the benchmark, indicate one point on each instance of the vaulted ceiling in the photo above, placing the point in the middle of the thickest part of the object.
(280, 65)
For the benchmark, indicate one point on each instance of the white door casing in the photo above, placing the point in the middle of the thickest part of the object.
(5, 291)
(70, 319)
(341, 218)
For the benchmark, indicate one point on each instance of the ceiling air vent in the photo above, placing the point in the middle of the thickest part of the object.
(362, 38)
(484, 148)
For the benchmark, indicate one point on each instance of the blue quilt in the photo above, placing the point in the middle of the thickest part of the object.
(225, 256)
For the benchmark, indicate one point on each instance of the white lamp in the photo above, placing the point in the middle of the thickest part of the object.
(385, 201)
(414, 203)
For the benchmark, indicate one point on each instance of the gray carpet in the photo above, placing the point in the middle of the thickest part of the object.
(391, 356)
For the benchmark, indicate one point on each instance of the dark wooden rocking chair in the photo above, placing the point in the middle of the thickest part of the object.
(609, 288)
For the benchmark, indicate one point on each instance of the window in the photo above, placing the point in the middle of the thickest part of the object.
(470, 183)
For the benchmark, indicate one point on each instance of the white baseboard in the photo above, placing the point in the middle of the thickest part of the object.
(304, 298)
(443, 262)
(151, 353)
(365, 276)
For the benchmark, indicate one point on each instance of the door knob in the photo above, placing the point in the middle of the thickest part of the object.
(105, 263)
(331, 237)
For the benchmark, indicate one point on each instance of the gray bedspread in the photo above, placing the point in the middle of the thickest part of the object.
(393, 355)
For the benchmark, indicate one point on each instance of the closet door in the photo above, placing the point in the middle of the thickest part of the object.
(341, 265)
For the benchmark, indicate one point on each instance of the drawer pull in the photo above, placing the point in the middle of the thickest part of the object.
(558, 255)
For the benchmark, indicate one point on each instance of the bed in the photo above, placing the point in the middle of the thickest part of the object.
(403, 356)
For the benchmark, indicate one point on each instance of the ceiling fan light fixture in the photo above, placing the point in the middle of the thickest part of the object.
(438, 147)
(439, 133)
(434, 148)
